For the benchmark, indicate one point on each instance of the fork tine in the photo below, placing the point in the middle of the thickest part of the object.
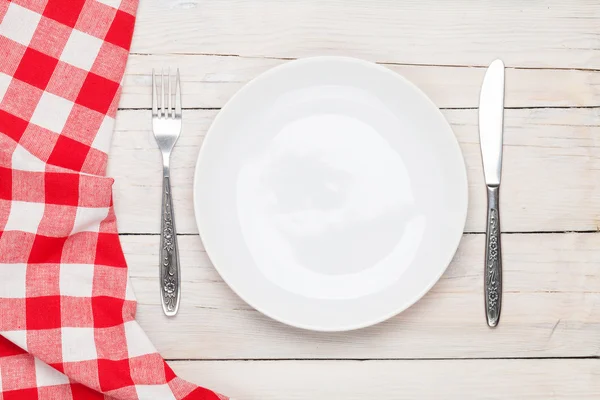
(154, 101)
(178, 95)
(162, 92)
(170, 94)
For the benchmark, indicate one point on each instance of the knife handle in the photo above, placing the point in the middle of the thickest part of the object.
(493, 259)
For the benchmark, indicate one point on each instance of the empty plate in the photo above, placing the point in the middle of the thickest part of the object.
(330, 193)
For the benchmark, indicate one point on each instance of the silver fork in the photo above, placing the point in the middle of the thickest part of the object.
(166, 124)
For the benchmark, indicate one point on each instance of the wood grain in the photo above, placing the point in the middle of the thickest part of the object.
(209, 81)
(551, 308)
(550, 176)
(547, 34)
(399, 380)
(441, 348)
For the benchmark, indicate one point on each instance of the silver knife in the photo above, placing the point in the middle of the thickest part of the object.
(491, 125)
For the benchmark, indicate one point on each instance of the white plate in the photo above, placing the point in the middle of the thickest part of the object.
(330, 193)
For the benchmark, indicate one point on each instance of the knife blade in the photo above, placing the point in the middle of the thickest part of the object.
(491, 127)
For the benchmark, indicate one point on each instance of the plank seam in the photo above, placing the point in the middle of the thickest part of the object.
(464, 233)
(383, 359)
(441, 108)
(377, 62)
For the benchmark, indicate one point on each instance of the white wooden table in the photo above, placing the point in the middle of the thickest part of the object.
(548, 341)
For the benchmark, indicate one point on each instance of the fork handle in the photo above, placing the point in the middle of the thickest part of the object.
(493, 259)
(170, 283)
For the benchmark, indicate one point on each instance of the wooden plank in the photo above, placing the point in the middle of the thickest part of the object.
(209, 81)
(398, 380)
(551, 308)
(550, 176)
(550, 34)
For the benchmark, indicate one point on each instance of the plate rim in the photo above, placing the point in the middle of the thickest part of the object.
(406, 304)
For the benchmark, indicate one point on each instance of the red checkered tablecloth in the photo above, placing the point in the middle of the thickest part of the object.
(66, 306)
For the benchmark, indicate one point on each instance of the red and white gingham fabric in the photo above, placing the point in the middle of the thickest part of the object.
(66, 306)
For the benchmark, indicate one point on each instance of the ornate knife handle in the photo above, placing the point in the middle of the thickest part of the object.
(493, 259)
(170, 291)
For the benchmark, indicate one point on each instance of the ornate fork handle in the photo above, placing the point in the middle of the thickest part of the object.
(493, 260)
(169, 255)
